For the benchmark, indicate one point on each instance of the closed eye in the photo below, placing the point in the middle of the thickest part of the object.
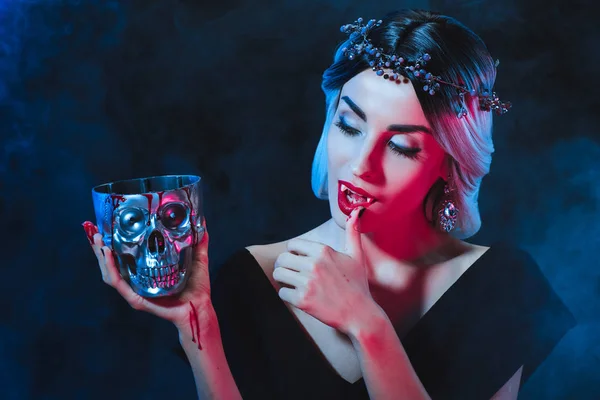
(409, 152)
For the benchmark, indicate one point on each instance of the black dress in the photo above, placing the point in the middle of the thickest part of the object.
(500, 314)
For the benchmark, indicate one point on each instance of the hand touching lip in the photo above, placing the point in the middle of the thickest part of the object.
(327, 284)
(351, 197)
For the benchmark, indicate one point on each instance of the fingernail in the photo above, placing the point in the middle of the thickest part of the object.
(360, 213)
(90, 230)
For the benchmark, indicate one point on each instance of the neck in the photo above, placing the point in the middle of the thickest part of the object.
(412, 242)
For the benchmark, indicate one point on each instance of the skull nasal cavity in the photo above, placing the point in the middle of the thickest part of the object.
(156, 242)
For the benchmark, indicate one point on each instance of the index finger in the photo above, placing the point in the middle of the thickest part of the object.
(353, 245)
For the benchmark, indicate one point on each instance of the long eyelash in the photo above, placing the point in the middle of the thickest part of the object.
(413, 154)
(346, 129)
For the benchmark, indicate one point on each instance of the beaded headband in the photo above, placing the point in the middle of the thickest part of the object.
(378, 60)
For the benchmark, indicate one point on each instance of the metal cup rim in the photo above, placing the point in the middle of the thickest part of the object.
(100, 189)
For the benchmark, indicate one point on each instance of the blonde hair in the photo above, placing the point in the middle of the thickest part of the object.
(459, 56)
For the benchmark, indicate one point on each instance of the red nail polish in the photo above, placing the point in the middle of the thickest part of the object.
(90, 230)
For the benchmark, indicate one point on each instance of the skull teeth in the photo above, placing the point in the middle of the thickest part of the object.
(158, 272)
(157, 277)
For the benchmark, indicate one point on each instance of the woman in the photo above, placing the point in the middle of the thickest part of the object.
(406, 143)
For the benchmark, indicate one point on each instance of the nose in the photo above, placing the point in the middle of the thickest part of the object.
(363, 165)
(156, 243)
(362, 171)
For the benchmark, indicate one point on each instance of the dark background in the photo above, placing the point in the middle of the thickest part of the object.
(94, 91)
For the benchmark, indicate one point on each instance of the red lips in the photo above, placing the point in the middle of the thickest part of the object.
(355, 189)
(345, 205)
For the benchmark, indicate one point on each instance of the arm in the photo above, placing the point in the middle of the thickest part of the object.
(191, 312)
(386, 367)
(209, 366)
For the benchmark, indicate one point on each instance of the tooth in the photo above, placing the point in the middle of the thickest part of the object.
(344, 187)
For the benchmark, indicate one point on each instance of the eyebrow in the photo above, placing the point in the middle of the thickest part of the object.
(392, 128)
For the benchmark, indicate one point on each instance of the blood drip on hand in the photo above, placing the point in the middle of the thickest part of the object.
(194, 323)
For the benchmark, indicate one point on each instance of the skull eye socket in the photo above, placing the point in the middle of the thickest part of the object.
(132, 220)
(174, 215)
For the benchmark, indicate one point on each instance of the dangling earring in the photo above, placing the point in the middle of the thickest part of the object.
(448, 213)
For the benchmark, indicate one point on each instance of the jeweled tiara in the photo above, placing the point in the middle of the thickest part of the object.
(400, 67)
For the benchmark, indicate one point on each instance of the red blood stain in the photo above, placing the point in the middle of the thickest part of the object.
(117, 199)
(192, 325)
(149, 197)
(194, 318)
(90, 230)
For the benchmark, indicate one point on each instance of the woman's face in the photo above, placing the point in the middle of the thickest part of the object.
(379, 141)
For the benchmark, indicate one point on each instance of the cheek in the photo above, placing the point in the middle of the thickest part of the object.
(338, 153)
(335, 147)
(409, 185)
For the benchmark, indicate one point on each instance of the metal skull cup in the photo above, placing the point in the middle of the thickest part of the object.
(151, 225)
